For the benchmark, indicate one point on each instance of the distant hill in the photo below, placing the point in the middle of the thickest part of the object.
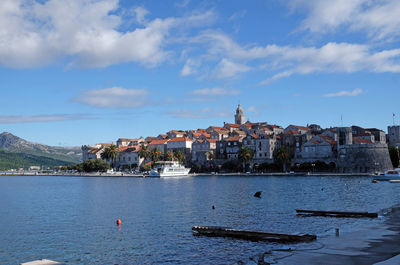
(16, 152)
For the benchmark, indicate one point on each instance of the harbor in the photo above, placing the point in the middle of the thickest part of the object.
(153, 209)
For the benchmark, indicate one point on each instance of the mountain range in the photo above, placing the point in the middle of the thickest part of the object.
(17, 153)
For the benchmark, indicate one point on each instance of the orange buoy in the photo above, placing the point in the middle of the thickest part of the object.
(119, 222)
(374, 181)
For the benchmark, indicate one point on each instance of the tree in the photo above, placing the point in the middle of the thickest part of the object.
(110, 152)
(144, 152)
(245, 155)
(156, 155)
(169, 156)
(91, 165)
(394, 156)
(282, 157)
(180, 156)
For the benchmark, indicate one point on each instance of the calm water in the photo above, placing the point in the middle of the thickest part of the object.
(72, 219)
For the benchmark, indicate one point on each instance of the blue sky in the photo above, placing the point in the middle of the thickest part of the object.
(87, 71)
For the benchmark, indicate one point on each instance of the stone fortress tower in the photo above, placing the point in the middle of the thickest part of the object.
(239, 116)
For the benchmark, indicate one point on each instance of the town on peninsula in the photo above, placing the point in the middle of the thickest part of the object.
(258, 147)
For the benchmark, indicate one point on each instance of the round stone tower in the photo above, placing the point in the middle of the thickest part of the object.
(239, 116)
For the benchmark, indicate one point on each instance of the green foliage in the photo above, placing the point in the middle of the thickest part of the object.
(394, 156)
(144, 152)
(11, 160)
(282, 157)
(317, 166)
(110, 152)
(156, 155)
(169, 156)
(89, 165)
(268, 167)
(231, 166)
(146, 167)
(180, 156)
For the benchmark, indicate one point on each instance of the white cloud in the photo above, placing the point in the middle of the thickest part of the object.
(216, 91)
(190, 67)
(83, 33)
(378, 19)
(13, 119)
(227, 68)
(115, 97)
(355, 92)
(140, 13)
(288, 60)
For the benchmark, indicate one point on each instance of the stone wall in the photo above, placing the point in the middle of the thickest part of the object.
(363, 158)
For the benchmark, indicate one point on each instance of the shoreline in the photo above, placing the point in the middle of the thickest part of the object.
(375, 243)
(121, 174)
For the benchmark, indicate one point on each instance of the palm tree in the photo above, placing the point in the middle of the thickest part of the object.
(110, 152)
(282, 157)
(144, 152)
(169, 156)
(180, 156)
(245, 155)
(156, 155)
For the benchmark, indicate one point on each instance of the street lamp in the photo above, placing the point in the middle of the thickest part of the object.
(313, 165)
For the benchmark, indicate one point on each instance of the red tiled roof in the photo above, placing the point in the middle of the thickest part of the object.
(221, 131)
(212, 140)
(129, 140)
(218, 128)
(94, 151)
(181, 139)
(274, 126)
(234, 138)
(233, 125)
(362, 141)
(155, 142)
(300, 127)
(207, 135)
(248, 125)
(315, 142)
(255, 136)
(163, 135)
(201, 130)
(291, 132)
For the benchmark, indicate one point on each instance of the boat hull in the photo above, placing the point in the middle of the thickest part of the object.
(183, 173)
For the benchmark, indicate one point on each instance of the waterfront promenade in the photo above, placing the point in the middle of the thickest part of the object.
(141, 175)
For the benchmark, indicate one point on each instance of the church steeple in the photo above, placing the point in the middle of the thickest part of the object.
(239, 116)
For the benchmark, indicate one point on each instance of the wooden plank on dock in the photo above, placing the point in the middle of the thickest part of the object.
(336, 214)
(217, 231)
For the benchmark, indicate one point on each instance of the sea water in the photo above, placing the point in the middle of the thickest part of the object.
(73, 219)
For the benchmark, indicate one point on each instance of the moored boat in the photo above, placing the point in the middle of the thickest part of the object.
(392, 174)
(169, 169)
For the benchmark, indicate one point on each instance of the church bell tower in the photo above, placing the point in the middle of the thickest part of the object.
(239, 116)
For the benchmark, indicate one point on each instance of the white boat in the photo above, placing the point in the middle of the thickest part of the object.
(169, 169)
(392, 174)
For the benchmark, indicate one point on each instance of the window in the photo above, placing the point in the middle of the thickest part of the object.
(235, 143)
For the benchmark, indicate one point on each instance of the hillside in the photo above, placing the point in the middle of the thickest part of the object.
(16, 152)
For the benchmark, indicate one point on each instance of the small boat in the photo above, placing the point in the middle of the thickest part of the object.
(169, 169)
(391, 174)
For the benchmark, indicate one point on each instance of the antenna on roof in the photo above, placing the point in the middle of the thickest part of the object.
(341, 119)
(393, 118)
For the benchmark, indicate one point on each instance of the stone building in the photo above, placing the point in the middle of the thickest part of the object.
(128, 156)
(239, 116)
(393, 136)
(201, 150)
